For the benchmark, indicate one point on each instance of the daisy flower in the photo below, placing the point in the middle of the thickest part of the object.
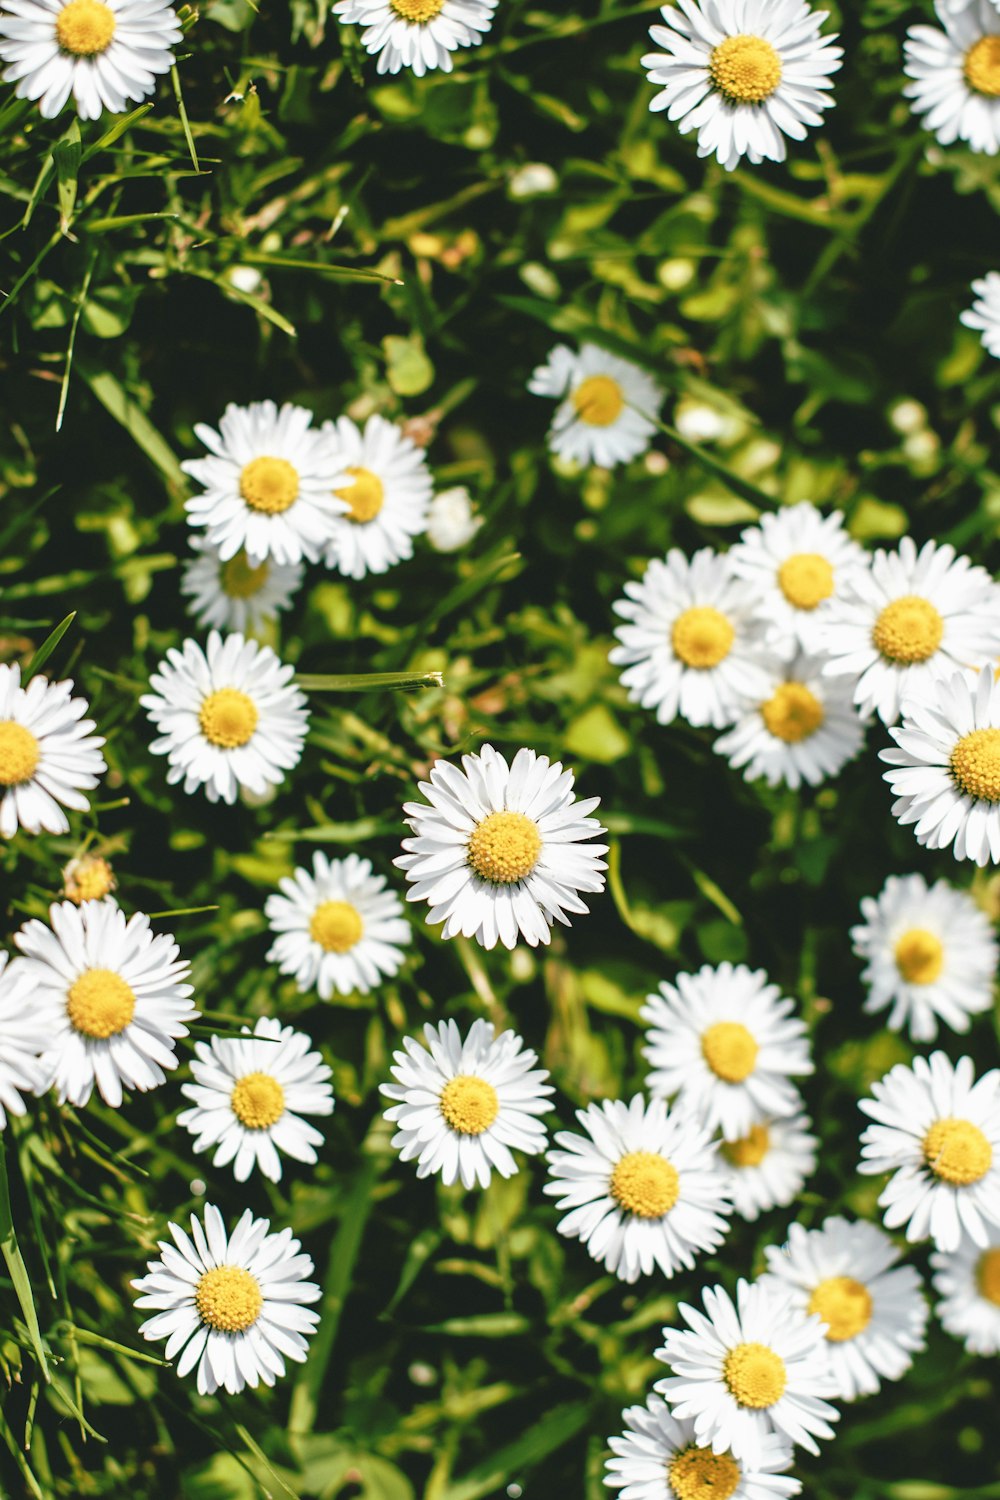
(451, 520)
(956, 74)
(968, 1283)
(658, 1457)
(417, 34)
(268, 483)
(607, 405)
(105, 55)
(768, 1167)
(873, 1310)
(643, 1187)
(249, 1096)
(938, 1132)
(386, 494)
(337, 929)
(747, 1372)
(25, 1032)
(464, 1106)
(930, 954)
(724, 1044)
(984, 313)
(500, 850)
(88, 877)
(744, 74)
(230, 717)
(233, 1305)
(48, 756)
(690, 646)
(237, 594)
(113, 996)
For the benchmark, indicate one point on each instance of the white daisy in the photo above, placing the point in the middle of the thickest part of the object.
(984, 313)
(417, 34)
(25, 1033)
(608, 406)
(249, 1095)
(268, 482)
(643, 1187)
(234, 1305)
(724, 1044)
(451, 520)
(113, 996)
(744, 74)
(229, 717)
(464, 1106)
(909, 619)
(938, 1132)
(690, 645)
(88, 877)
(658, 1457)
(337, 928)
(499, 851)
(237, 594)
(48, 756)
(930, 954)
(386, 494)
(968, 1283)
(956, 74)
(105, 55)
(873, 1310)
(749, 1371)
(768, 1167)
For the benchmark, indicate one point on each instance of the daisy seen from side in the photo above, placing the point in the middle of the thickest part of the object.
(49, 759)
(984, 314)
(417, 34)
(955, 73)
(387, 495)
(607, 405)
(24, 1036)
(967, 1282)
(658, 1457)
(769, 1166)
(237, 594)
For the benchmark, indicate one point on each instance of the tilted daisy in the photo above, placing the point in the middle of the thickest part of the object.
(689, 645)
(230, 717)
(25, 1033)
(48, 756)
(967, 1281)
(872, 1309)
(417, 34)
(768, 1167)
(658, 1457)
(724, 1044)
(930, 955)
(499, 851)
(937, 1130)
(268, 483)
(387, 493)
(744, 74)
(464, 1105)
(984, 314)
(104, 55)
(337, 927)
(642, 1186)
(237, 594)
(235, 1306)
(114, 996)
(249, 1095)
(956, 74)
(607, 405)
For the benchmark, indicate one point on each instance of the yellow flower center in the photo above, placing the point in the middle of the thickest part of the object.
(806, 580)
(755, 1375)
(645, 1184)
(269, 485)
(228, 718)
(909, 629)
(845, 1305)
(240, 579)
(100, 1004)
(19, 753)
(88, 879)
(365, 496)
(975, 764)
(793, 713)
(730, 1050)
(957, 1151)
(504, 847)
(988, 1276)
(85, 27)
(700, 1474)
(469, 1104)
(745, 69)
(418, 11)
(258, 1101)
(750, 1150)
(982, 66)
(599, 400)
(702, 637)
(229, 1299)
(336, 926)
(919, 956)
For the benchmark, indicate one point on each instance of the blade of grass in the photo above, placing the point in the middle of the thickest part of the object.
(16, 1268)
(361, 682)
(47, 647)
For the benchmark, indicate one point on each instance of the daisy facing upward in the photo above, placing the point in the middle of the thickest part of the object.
(237, 594)
(956, 74)
(769, 1166)
(48, 757)
(967, 1281)
(417, 34)
(387, 496)
(608, 405)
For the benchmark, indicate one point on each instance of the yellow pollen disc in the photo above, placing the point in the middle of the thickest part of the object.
(806, 580)
(975, 764)
(504, 847)
(100, 1004)
(19, 753)
(982, 66)
(745, 69)
(988, 1276)
(793, 713)
(228, 718)
(730, 1050)
(645, 1184)
(469, 1104)
(258, 1101)
(845, 1305)
(909, 629)
(240, 579)
(88, 879)
(85, 27)
(269, 485)
(229, 1299)
(599, 401)
(700, 1474)
(336, 926)
(919, 956)
(702, 637)
(750, 1150)
(417, 10)
(957, 1152)
(755, 1375)
(365, 496)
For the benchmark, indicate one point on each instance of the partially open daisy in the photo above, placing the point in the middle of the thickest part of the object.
(25, 1034)
(463, 1106)
(607, 405)
(938, 1132)
(659, 1457)
(229, 717)
(690, 645)
(743, 75)
(88, 877)
(956, 74)
(387, 493)
(235, 1306)
(768, 1167)
(48, 756)
(984, 314)
(237, 594)
(337, 929)
(417, 34)
(724, 1044)
(115, 999)
(500, 851)
(930, 955)
(452, 521)
(642, 1186)
(967, 1281)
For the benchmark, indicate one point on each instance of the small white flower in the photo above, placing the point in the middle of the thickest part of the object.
(938, 1132)
(234, 1305)
(768, 1167)
(984, 313)
(417, 34)
(229, 717)
(88, 877)
(701, 423)
(48, 756)
(464, 1106)
(803, 728)
(385, 495)
(25, 1033)
(956, 74)
(643, 1187)
(451, 520)
(337, 927)
(237, 594)
(607, 409)
(968, 1283)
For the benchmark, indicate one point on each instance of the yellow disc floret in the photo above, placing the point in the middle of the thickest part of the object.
(792, 713)
(645, 1184)
(599, 401)
(755, 1375)
(700, 1474)
(19, 753)
(806, 579)
(750, 1150)
(975, 764)
(730, 1050)
(257, 1100)
(418, 11)
(85, 27)
(469, 1104)
(988, 1276)
(957, 1151)
(89, 878)
(919, 956)
(365, 496)
(336, 926)
(504, 847)
(228, 718)
(909, 629)
(982, 66)
(702, 637)
(745, 69)
(100, 1004)
(228, 1299)
(240, 579)
(269, 485)
(845, 1305)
